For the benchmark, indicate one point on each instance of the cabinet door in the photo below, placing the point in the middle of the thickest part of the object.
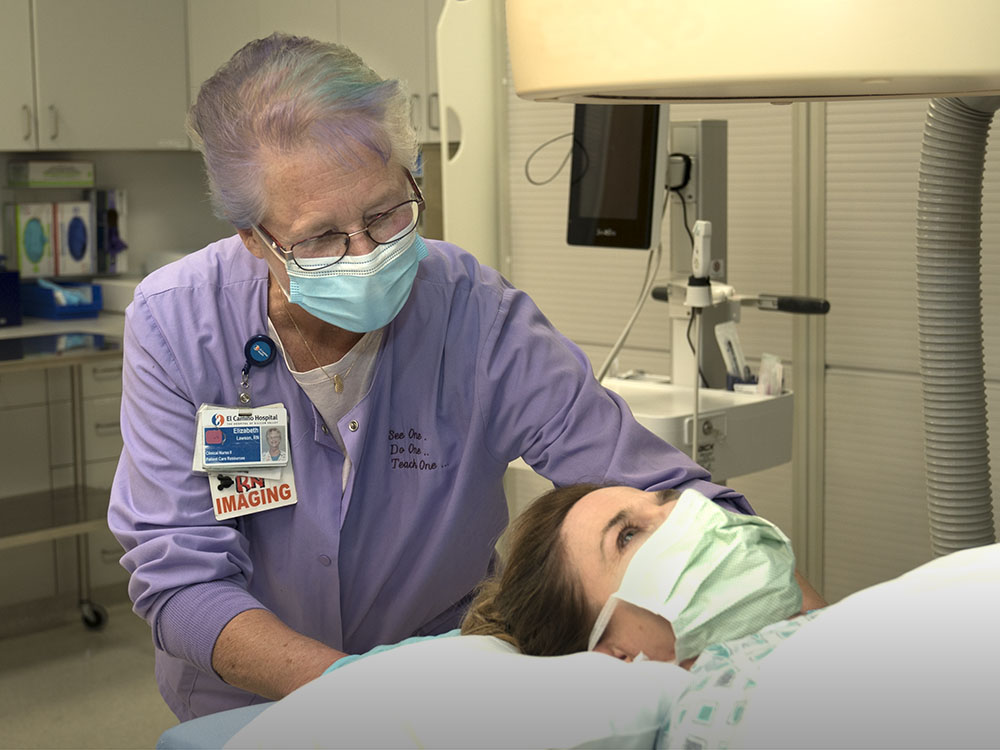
(110, 74)
(17, 98)
(391, 37)
(218, 28)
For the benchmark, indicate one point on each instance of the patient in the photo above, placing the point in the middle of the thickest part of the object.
(654, 575)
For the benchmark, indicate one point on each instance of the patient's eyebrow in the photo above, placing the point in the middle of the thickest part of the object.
(665, 496)
(615, 521)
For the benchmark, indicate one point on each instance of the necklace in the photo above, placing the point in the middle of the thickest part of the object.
(337, 379)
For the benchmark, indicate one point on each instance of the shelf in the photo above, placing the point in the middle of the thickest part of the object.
(739, 433)
(105, 324)
(31, 516)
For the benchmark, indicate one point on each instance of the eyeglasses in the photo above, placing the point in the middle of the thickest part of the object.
(387, 226)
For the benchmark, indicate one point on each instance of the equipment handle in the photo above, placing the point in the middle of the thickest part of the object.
(793, 304)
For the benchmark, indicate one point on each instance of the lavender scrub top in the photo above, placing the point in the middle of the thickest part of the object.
(470, 376)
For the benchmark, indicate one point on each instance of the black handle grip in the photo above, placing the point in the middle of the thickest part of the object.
(791, 304)
(661, 293)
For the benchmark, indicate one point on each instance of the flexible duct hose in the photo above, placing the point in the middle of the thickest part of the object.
(949, 302)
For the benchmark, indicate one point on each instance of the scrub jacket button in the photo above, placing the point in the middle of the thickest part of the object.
(324, 560)
(353, 426)
(326, 430)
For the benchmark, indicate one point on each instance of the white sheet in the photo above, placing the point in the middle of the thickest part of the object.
(910, 663)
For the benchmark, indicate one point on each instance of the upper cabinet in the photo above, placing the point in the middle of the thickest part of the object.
(17, 86)
(394, 37)
(391, 37)
(106, 74)
(120, 74)
(218, 28)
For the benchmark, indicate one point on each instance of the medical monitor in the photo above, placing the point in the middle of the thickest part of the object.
(617, 180)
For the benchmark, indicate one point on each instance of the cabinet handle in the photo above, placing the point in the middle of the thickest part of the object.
(54, 116)
(433, 121)
(107, 427)
(106, 373)
(414, 111)
(27, 121)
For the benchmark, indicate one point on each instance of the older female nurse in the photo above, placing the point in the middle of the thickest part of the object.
(410, 375)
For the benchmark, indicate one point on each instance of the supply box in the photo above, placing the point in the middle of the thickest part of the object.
(50, 174)
(110, 214)
(45, 302)
(29, 225)
(74, 239)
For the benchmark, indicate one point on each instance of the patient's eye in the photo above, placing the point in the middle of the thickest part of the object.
(625, 535)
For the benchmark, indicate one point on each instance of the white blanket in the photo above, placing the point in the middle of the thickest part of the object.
(910, 663)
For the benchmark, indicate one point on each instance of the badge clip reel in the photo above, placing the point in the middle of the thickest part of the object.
(259, 351)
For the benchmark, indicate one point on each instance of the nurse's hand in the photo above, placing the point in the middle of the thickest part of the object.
(259, 653)
(810, 596)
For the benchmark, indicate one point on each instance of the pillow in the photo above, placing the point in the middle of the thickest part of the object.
(472, 691)
(351, 658)
(910, 663)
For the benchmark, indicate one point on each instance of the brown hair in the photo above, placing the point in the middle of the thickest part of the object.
(534, 602)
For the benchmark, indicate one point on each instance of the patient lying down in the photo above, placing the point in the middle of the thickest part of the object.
(637, 575)
(650, 575)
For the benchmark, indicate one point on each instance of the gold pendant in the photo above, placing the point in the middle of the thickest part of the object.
(338, 383)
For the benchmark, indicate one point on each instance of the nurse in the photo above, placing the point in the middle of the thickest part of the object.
(407, 377)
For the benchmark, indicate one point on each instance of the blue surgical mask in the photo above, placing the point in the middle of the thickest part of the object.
(359, 293)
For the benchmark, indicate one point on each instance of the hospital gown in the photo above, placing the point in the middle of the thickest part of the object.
(709, 711)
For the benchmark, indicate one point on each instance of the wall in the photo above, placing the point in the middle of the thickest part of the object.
(875, 520)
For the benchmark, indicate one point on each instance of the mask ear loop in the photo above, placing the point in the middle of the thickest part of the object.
(602, 622)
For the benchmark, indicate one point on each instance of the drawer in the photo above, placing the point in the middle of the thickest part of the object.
(21, 389)
(102, 436)
(103, 378)
(104, 553)
(24, 450)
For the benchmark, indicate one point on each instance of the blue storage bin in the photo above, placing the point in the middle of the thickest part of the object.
(40, 302)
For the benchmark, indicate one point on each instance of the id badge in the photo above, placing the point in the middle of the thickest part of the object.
(231, 439)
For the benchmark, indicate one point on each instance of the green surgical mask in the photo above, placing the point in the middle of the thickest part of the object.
(713, 574)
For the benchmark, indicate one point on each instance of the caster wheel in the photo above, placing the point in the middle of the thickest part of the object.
(94, 616)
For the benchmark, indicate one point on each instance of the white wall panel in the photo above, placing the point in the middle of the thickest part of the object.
(873, 152)
(875, 516)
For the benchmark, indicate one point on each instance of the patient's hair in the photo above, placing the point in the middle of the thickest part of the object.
(535, 602)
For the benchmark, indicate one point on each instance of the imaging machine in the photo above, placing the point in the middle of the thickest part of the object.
(655, 52)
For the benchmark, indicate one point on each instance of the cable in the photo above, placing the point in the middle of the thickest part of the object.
(533, 154)
(695, 313)
(702, 377)
(652, 267)
(684, 212)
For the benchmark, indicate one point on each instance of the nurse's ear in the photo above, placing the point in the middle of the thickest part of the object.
(252, 242)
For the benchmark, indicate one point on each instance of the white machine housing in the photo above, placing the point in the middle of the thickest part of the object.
(732, 50)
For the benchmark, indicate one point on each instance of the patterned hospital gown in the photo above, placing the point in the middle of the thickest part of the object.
(708, 712)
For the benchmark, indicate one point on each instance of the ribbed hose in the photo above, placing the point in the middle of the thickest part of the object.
(949, 301)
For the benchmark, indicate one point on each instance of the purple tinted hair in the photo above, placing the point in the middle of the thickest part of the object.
(282, 94)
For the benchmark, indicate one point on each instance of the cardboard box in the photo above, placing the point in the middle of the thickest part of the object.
(75, 251)
(54, 174)
(110, 222)
(30, 226)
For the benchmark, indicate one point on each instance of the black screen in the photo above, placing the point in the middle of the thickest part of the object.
(612, 190)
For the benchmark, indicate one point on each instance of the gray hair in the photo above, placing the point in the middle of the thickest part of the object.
(282, 94)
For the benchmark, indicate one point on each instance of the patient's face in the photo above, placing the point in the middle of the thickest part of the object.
(601, 534)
